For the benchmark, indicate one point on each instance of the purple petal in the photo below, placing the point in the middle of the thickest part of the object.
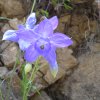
(54, 22)
(27, 35)
(31, 54)
(31, 20)
(51, 58)
(23, 44)
(10, 35)
(20, 27)
(44, 28)
(60, 40)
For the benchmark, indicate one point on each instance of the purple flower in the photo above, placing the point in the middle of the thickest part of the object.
(39, 40)
(46, 43)
(15, 35)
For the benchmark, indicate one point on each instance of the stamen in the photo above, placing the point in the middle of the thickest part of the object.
(42, 46)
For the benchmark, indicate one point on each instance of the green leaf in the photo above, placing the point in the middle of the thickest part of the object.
(54, 2)
(34, 88)
(67, 7)
(45, 13)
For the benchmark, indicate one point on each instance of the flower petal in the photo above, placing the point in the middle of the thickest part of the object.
(51, 58)
(60, 40)
(20, 27)
(31, 54)
(44, 28)
(27, 35)
(31, 20)
(54, 22)
(10, 35)
(23, 44)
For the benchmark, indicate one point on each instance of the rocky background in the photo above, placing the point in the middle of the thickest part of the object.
(78, 77)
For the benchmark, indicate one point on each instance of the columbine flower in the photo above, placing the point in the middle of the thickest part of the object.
(46, 43)
(39, 40)
(15, 35)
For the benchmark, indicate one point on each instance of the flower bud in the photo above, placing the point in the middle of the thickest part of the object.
(28, 68)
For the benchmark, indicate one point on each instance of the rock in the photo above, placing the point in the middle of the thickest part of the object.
(0, 64)
(65, 58)
(4, 45)
(84, 83)
(14, 8)
(3, 72)
(43, 66)
(81, 27)
(63, 55)
(1, 35)
(63, 21)
(14, 23)
(16, 86)
(43, 96)
(9, 55)
(5, 28)
(78, 27)
(6, 93)
(95, 47)
(39, 82)
(11, 87)
(50, 79)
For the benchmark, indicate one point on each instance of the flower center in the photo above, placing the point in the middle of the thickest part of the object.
(42, 45)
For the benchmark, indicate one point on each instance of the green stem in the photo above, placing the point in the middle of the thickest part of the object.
(27, 86)
(24, 95)
(33, 6)
(25, 89)
(34, 71)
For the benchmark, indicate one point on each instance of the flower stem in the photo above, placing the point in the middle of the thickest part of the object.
(33, 6)
(27, 86)
(34, 71)
(24, 95)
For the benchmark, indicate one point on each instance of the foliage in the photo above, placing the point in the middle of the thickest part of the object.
(45, 5)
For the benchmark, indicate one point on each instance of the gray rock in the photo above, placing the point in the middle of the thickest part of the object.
(9, 55)
(5, 28)
(4, 45)
(11, 87)
(3, 71)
